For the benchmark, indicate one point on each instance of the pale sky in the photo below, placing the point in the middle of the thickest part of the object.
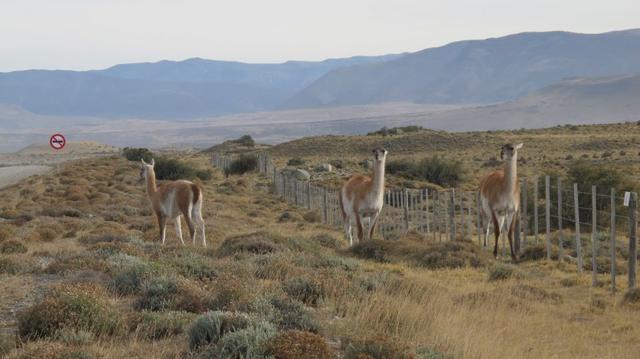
(94, 34)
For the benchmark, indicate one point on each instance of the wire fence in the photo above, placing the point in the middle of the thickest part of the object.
(595, 228)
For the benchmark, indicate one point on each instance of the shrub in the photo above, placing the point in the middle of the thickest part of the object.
(12, 246)
(153, 326)
(210, 327)
(524, 291)
(247, 343)
(326, 240)
(631, 298)
(501, 271)
(7, 343)
(129, 281)
(79, 308)
(376, 348)
(172, 169)
(312, 217)
(6, 232)
(254, 243)
(292, 315)
(136, 154)
(294, 344)
(304, 290)
(192, 265)
(433, 169)
(374, 249)
(158, 294)
(245, 140)
(296, 161)
(231, 292)
(241, 165)
(431, 353)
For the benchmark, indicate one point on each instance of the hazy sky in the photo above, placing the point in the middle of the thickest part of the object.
(91, 34)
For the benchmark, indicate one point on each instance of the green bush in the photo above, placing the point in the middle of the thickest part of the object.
(292, 315)
(245, 140)
(241, 165)
(501, 271)
(11, 246)
(173, 169)
(376, 348)
(158, 294)
(247, 343)
(129, 281)
(296, 161)
(307, 291)
(294, 344)
(433, 169)
(136, 154)
(7, 343)
(254, 243)
(72, 308)
(209, 328)
(158, 325)
(395, 130)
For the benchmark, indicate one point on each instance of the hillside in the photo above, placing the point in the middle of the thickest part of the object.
(478, 71)
(82, 275)
(166, 89)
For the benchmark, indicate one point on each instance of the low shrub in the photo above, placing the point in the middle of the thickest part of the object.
(376, 348)
(11, 246)
(296, 161)
(524, 291)
(6, 232)
(247, 343)
(173, 169)
(292, 315)
(136, 154)
(7, 343)
(231, 292)
(154, 325)
(244, 140)
(631, 298)
(76, 308)
(195, 266)
(129, 281)
(254, 243)
(312, 217)
(501, 271)
(305, 290)
(157, 294)
(294, 344)
(431, 353)
(209, 328)
(326, 240)
(241, 165)
(433, 169)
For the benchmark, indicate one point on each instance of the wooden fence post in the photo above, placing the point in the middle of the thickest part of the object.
(547, 208)
(633, 229)
(535, 209)
(525, 219)
(463, 232)
(594, 230)
(426, 196)
(325, 209)
(576, 206)
(479, 219)
(405, 207)
(452, 215)
(469, 214)
(613, 240)
(560, 229)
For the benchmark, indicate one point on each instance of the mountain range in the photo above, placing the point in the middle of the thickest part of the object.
(466, 72)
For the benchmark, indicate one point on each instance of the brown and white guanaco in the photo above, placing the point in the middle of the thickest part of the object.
(363, 196)
(500, 197)
(172, 200)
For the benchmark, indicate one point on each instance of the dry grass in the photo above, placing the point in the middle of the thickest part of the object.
(422, 297)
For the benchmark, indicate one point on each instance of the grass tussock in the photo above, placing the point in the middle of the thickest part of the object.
(293, 344)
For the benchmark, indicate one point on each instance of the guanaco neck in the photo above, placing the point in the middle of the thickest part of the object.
(151, 182)
(378, 176)
(511, 173)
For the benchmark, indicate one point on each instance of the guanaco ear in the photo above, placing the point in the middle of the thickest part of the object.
(153, 162)
(518, 146)
(143, 162)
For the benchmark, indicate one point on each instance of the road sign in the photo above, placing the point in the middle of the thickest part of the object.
(57, 141)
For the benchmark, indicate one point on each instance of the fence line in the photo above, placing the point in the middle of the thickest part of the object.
(450, 214)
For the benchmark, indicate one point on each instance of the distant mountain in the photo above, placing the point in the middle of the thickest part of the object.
(478, 71)
(166, 89)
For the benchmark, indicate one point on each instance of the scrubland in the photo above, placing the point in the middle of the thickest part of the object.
(82, 275)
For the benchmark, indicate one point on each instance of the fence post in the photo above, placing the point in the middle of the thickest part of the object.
(405, 207)
(478, 219)
(452, 215)
(535, 209)
(426, 195)
(525, 219)
(613, 240)
(633, 249)
(560, 239)
(547, 207)
(309, 194)
(594, 229)
(576, 206)
(463, 232)
(469, 214)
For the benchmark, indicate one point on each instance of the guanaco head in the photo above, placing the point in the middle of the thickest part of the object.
(379, 154)
(146, 167)
(509, 150)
